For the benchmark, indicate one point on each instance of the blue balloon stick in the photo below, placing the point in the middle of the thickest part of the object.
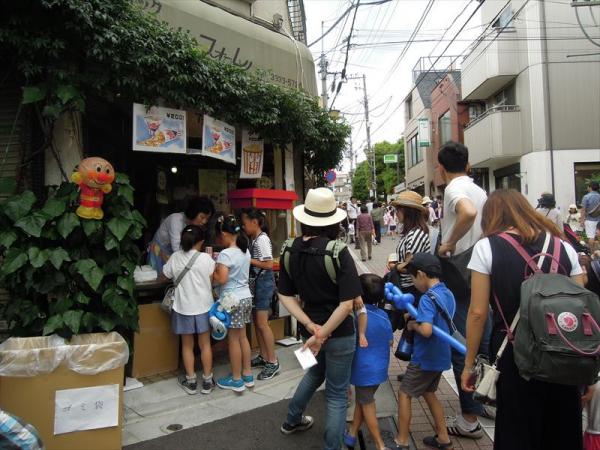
(405, 301)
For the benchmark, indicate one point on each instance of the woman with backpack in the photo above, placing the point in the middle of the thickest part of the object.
(325, 318)
(531, 414)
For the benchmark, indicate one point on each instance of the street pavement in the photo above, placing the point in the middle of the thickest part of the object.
(226, 420)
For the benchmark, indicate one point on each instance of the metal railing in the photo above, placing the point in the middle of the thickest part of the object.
(492, 110)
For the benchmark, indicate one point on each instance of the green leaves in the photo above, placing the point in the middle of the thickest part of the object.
(91, 226)
(32, 94)
(119, 227)
(19, 205)
(54, 323)
(57, 256)
(90, 272)
(72, 319)
(54, 207)
(37, 257)
(13, 261)
(32, 224)
(66, 224)
(7, 238)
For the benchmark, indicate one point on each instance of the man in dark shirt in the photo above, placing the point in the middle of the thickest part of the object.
(325, 315)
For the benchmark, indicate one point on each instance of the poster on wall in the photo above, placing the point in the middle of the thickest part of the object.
(212, 183)
(158, 129)
(253, 153)
(218, 140)
(424, 135)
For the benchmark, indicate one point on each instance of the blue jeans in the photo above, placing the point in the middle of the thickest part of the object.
(467, 404)
(334, 363)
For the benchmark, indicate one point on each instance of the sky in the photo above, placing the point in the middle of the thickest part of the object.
(380, 33)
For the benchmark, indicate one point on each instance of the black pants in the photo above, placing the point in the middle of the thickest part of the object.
(535, 415)
(377, 231)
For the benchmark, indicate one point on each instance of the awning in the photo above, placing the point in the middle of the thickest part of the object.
(239, 41)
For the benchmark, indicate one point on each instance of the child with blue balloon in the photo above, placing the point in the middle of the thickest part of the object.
(431, 353)
(371, 362)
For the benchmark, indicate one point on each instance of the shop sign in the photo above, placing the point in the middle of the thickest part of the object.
(86, 408)
(158, 129)
(424, 133)
(253, 154)
(390, 159)
(218, 140)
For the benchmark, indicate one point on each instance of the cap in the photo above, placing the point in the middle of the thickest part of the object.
(426, 262)
(392, 257)
(572, 206)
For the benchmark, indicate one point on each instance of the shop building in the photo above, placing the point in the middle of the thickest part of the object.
(539, 84)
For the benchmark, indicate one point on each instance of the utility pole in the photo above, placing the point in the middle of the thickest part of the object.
(323, 71)
(370, 150)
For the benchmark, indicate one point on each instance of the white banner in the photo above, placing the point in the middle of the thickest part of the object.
(158, 129)
(218, 140)
(253, 154)
(86, 408)
(424, 133)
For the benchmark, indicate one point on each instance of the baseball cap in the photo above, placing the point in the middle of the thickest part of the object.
(426, 262)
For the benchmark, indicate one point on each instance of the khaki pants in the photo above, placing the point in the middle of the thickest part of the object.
(366, 244)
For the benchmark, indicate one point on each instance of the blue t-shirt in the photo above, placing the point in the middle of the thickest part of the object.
(433, 354)
(589, 202)
(370, 364)
(239, 268)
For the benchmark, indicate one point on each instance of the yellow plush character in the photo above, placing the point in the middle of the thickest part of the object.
(94, 177)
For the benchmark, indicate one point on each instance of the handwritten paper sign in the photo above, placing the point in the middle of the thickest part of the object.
(253, 152)
(86, 408)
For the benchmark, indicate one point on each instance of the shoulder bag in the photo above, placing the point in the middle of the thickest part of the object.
(169, 298)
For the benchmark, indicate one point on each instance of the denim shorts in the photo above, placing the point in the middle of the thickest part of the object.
(263, 293)
(196, 324)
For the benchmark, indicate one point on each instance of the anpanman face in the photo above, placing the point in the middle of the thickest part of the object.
(96, 172)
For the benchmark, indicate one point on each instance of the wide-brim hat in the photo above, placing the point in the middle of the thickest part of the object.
(426, 200)
(319, 209)
(409, 199)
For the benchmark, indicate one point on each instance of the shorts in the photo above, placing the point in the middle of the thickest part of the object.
(365, 395)
(263, 291)
(590, 228)
(392, 227)
(242, 314)
(417, 382)
(184, 324)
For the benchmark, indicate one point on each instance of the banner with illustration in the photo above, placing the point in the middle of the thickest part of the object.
(253, 153)
(158, 129)
(218, 140)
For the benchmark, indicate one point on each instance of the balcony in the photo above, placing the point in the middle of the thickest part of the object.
(495, 135)
(488, 68)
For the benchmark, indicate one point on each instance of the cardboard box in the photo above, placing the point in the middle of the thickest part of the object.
(277, 326)
(155, 347)
(32, 398)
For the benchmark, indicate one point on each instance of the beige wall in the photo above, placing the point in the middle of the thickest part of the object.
(422, 172)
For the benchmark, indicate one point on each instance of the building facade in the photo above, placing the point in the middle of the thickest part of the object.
(342, 188)
(539, 82)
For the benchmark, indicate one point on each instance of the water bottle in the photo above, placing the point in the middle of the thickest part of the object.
(405, 346)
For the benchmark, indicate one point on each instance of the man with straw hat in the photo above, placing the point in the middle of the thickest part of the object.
(325, 319)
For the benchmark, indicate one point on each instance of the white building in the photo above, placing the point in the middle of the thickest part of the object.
(342, 188)
(537, 78)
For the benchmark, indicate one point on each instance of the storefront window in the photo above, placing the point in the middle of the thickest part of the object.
(584, 171)
(445, 128)
(508, 177)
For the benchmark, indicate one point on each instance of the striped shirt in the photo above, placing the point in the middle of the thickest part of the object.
(261, 249)
(416, 240)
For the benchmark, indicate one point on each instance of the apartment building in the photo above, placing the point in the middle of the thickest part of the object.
(537, 77)
(342, 188)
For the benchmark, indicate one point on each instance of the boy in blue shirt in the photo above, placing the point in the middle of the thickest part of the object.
(371, 362)
(431, 355)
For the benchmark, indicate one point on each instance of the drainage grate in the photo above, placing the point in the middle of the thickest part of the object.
(175, 427)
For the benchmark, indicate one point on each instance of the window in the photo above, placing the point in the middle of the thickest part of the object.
(503, 19)
(475, 110)
(445, 128)
(506, 96)
(415, 154)
(409, 108)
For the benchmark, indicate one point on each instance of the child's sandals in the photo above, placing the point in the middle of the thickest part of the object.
(432, 441)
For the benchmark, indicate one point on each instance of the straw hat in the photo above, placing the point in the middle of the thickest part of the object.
(426, 200)
(319, 209)
(572, 206)
(409, 199)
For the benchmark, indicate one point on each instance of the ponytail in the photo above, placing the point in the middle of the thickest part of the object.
(229, 224)
(242, 242)
(259, 216)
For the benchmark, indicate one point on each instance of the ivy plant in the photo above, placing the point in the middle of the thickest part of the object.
(69, 50)
(68, 275)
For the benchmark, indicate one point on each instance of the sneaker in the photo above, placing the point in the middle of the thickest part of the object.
(258, 361)
(488, 413)
(349, 440)
(270, 370)
(248, 380)
(191, 387)
(432, 441)
(230, 383)
(207, 386)
(454, 429)
(305, 424)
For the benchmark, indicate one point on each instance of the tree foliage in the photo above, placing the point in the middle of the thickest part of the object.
(68, 275)
(387, 174)
(68, 50)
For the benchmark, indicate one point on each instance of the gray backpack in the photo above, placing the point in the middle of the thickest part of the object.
(330, 254)
(558, 338)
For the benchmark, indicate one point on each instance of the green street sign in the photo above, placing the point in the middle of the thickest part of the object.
(390, 159)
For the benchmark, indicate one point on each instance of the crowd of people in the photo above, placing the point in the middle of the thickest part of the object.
(463, 261)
